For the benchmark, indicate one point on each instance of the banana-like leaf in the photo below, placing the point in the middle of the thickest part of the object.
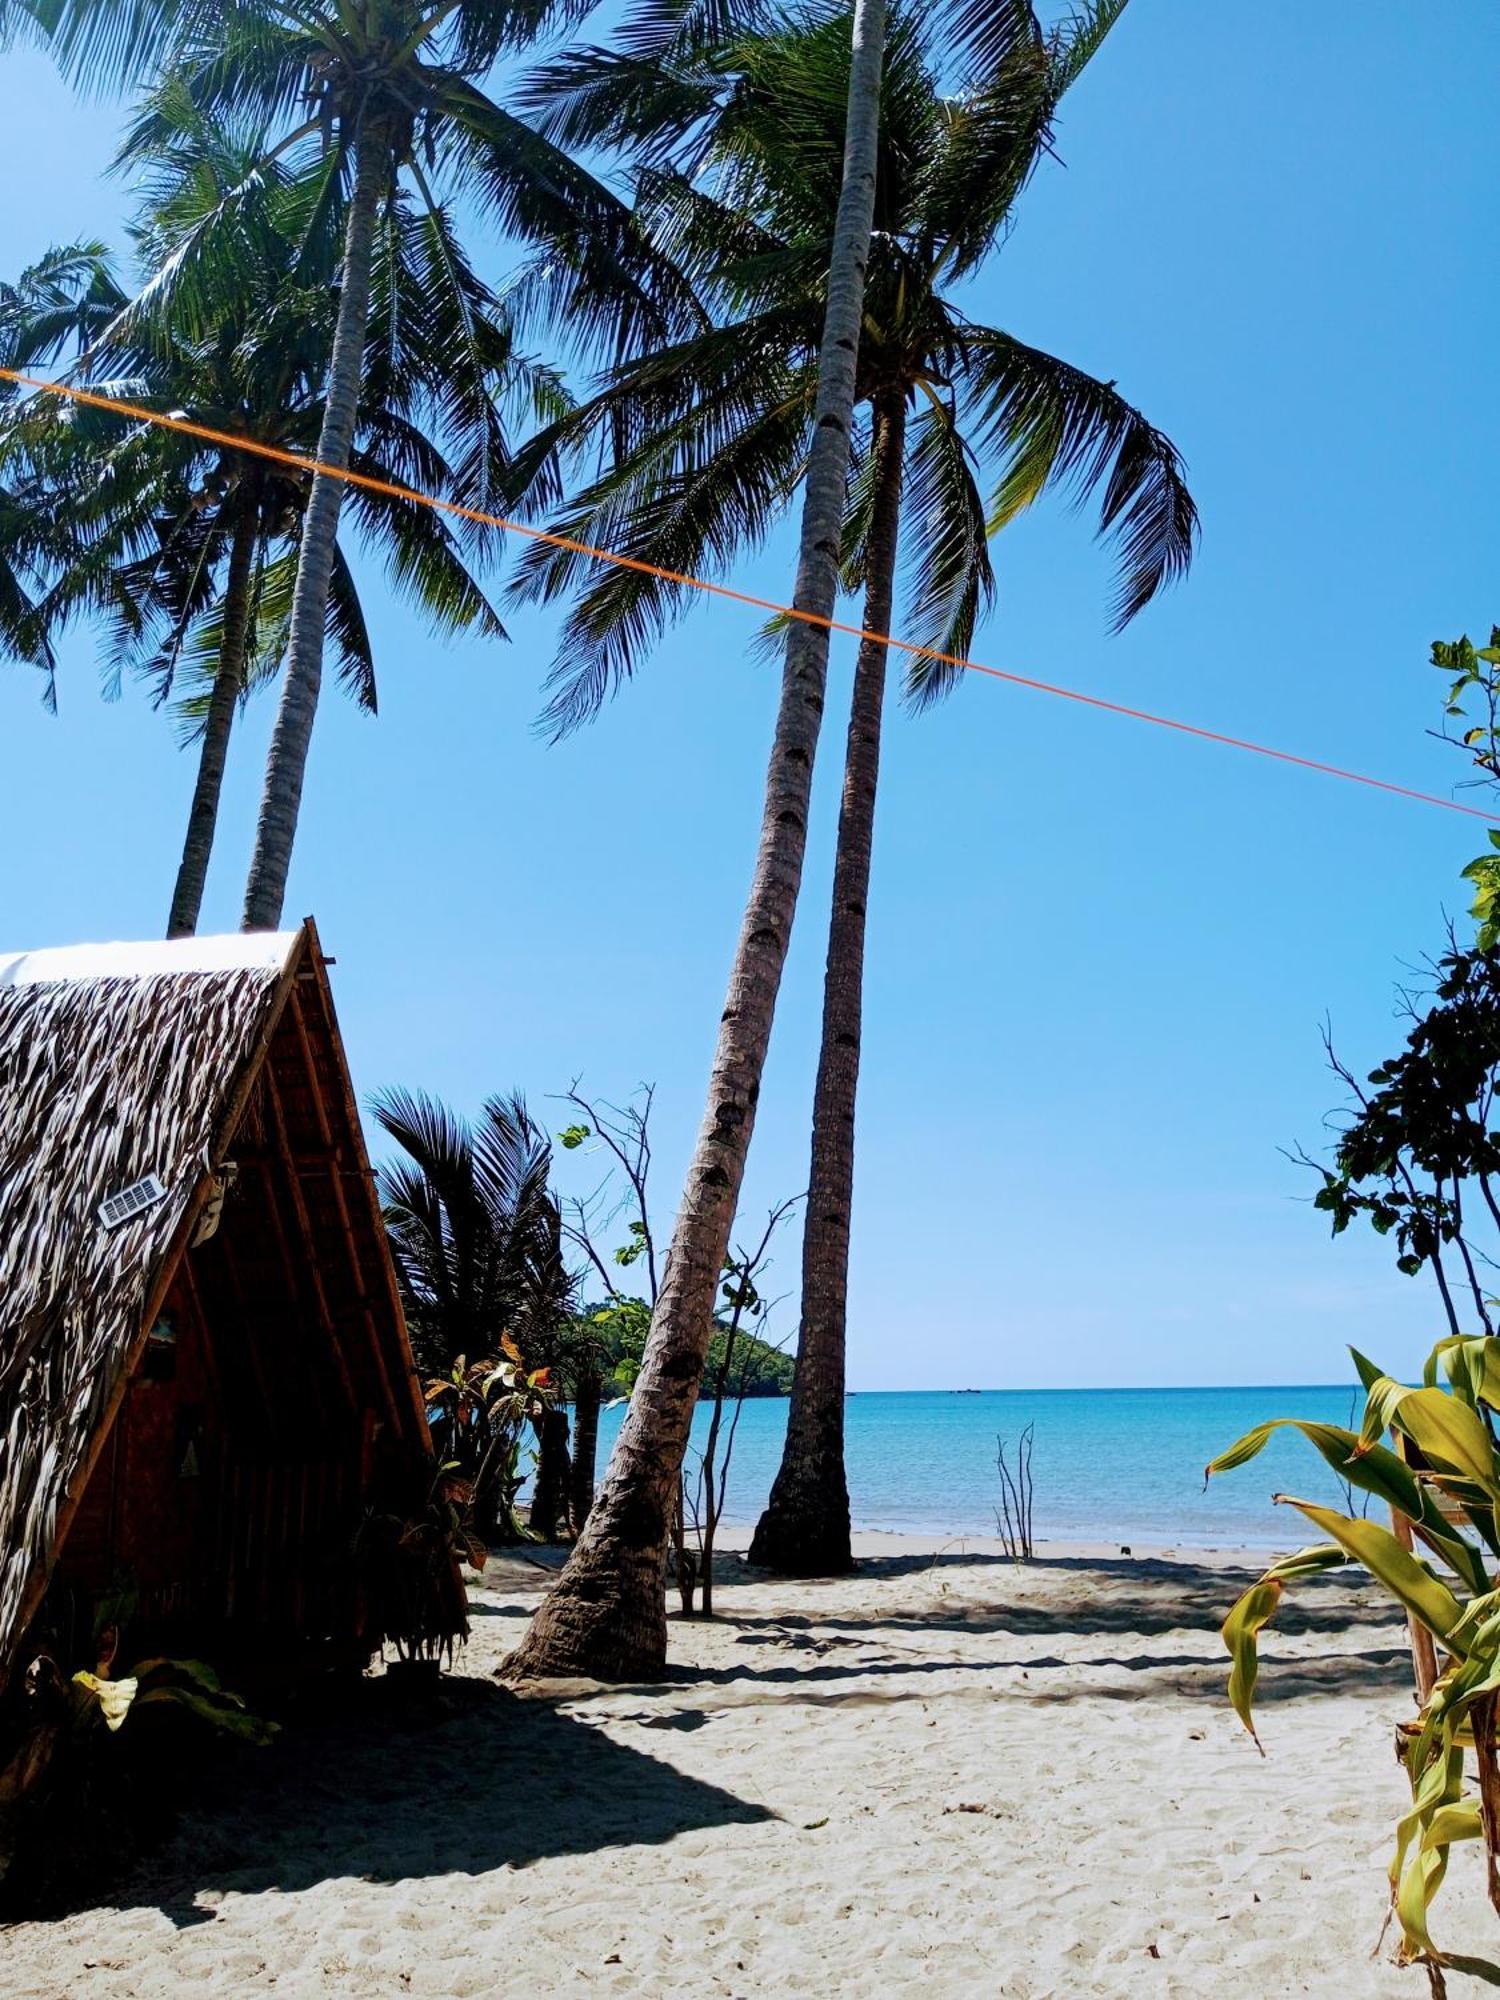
(1256, 1608)
(199, 1672)
(1369, 1373)
(1415, 1875)
(1408, 1579)
(115, 1698)
(1446, 1430)
(1378, 1470)
(1472, 1364)
(230, 1718)
(1463, 1821)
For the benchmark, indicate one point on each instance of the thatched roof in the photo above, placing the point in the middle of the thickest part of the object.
(117, 1062)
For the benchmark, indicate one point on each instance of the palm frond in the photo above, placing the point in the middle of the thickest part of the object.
(946, 557)
(1053, 425)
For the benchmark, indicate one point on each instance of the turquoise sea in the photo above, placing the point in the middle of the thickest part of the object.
(1120, 1465)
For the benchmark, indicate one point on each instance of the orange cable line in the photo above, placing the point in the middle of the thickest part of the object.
(393, 491)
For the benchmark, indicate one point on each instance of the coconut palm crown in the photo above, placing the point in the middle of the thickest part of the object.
(390, 95)
(710, 433)
(190, 549)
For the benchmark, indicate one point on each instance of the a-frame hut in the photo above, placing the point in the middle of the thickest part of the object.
(205, 1378)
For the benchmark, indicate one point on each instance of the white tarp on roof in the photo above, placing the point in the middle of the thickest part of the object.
(239, 951)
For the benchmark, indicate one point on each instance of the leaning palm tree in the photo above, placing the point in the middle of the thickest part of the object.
(607, 1615)
(388, 95)
(191, 549)
(720, 428)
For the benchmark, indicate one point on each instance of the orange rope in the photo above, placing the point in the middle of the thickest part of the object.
(391, 490)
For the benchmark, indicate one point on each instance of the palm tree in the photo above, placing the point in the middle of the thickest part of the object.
(607, 1614)
(476, 1233)
(55, 304)
(1047, 422)
(387, 94)
(191, 549)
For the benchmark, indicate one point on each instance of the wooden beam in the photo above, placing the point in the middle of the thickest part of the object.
(412, 1400)
(225, 1240)
(189, 1278)
(306, 1233)
(346, 1220)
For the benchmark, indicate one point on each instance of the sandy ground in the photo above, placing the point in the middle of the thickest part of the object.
(948, 1776)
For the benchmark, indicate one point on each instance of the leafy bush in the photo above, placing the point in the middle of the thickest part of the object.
(91, 1757)
(1444, 1485)
(623, 1325)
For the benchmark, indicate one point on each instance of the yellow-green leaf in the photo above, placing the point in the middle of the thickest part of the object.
(114, 1697)
(1449, 1823)
(1447, 1433)
(1411, 1582)
(1254, 1611)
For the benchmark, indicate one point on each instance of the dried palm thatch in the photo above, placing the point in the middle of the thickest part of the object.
(116, 1062)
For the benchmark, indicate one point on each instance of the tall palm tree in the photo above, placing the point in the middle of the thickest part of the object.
(388, 94)
(720, 429)
(191, 549)
(607, 1614)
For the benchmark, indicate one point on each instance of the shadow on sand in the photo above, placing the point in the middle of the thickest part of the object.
(384, 1791)
(1163, 1597)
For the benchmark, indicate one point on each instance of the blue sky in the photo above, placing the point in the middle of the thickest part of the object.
(1099, 954)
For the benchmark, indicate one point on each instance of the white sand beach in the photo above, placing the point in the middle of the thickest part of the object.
(944, 1774)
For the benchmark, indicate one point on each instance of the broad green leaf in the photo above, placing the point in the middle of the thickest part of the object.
(1378, 1470)
(1254, 1611)
(197, 1671)
(1448, 1433)
(1417, 1868)
(1472, 1364)
(230, 1719)
(1409, 1580)
(1366, 1369)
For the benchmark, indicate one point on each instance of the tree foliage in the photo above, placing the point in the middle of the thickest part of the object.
(705, 439)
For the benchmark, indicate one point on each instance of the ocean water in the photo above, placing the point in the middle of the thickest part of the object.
(1121, 1465)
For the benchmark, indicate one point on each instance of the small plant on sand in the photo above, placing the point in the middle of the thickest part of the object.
(1442, 1484)
(1013, 1515)
(408, 1568)
(734, 1355)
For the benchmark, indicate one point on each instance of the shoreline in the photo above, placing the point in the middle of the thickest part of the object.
(870, 1543)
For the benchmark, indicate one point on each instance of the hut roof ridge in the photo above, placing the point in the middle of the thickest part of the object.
(236, 951)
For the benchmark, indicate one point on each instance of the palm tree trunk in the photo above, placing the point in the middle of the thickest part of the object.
(607, 1615)
(587, 1391)
(229, 679)
(281, 797)
(804, 1530)
(549, 1498)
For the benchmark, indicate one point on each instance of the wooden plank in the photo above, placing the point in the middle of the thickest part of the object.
(307, 1235)
(346, 1221)
(413, 1425)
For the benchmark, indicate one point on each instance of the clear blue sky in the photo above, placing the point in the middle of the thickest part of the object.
(1099, 955)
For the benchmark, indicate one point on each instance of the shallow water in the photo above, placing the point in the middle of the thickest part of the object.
(1109, 1464)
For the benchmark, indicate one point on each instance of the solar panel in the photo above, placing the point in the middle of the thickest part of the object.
(131, 1201)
